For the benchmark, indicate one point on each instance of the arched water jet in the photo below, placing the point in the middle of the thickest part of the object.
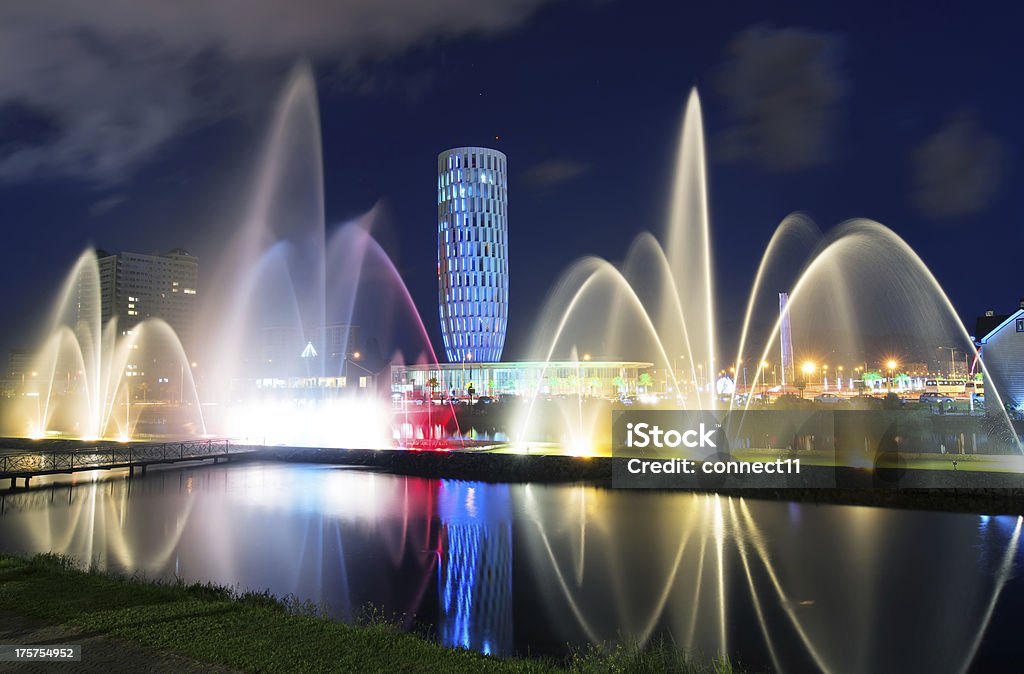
(90, 362)
(291, 165)
(646, 244)
(592, 270)
(854, 242)
(794, 226)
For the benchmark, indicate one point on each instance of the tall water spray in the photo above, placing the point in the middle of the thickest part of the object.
(82, 380)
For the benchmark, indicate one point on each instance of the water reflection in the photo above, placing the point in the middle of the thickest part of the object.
(475, 558)
(502, 568)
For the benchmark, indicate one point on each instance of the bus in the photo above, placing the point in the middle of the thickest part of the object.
(947, 387)
(975, 390)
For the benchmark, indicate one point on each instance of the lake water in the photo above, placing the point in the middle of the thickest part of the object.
(529, 568)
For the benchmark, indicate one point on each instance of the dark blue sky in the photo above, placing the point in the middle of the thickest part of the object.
(909, 116)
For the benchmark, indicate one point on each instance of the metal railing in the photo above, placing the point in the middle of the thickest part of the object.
(108, 456)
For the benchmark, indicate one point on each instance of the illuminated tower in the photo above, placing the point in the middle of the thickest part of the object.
(472, 253)
(786, 341)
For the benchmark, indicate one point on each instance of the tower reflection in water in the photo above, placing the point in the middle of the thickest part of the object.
(475, 571)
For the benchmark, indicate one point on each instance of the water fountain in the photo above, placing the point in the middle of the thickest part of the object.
(81, 382)
(287, 272)
(855, 288)
(284, 271)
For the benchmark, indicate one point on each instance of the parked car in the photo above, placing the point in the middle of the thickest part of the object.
(485, 400)
(827, 398)
(933, 398)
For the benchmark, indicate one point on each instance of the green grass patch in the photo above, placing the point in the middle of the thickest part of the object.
(255, 631)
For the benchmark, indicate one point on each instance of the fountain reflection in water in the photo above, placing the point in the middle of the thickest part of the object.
(509, 568)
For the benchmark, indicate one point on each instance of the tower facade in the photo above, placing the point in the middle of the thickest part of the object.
(786, 342)
(472, 253)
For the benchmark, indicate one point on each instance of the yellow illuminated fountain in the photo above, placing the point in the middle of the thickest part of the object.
(82, 383)
(849, 290)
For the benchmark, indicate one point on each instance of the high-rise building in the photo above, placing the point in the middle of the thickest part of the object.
(134, 287)
(472, 258)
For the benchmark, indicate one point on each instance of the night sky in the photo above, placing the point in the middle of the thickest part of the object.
(129, 127)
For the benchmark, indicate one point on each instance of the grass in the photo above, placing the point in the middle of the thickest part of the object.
(255, 631)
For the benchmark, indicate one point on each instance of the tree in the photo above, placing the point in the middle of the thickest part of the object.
(645, 381)
(619, 384)
(433, 384)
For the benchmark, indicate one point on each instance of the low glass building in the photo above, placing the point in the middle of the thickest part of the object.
(583, 378)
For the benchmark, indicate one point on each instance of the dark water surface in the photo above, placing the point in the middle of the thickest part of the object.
(528, 568)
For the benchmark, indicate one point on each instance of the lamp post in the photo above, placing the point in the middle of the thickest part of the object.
(891, 366)
(763, 373)
(466, 355)
(808, 369)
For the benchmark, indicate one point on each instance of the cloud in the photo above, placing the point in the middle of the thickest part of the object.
(958, 170)
(553, 172)
(782, 87)
(106, 204)
(94, 89)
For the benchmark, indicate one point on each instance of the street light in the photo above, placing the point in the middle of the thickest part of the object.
(808, 369)
(891, 365)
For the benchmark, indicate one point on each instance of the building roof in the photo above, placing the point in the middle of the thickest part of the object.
(986, 326)
(520, 365)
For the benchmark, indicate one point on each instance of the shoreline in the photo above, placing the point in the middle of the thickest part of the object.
(990, 494)
(931, 489)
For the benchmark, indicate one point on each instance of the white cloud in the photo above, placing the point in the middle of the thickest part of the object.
(957, 170)
(553, 172)
(782, 87)
(117, 79)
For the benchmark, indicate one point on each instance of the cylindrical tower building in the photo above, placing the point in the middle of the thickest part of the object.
(472, 253)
